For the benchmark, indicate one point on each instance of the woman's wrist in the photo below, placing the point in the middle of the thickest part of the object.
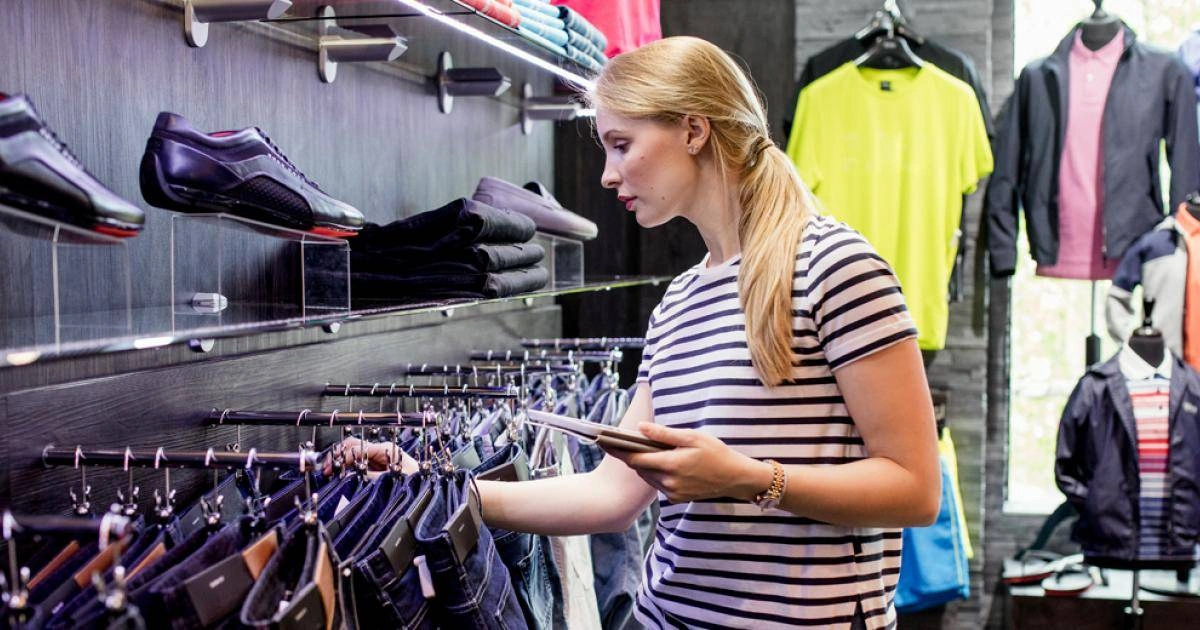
(755, 478)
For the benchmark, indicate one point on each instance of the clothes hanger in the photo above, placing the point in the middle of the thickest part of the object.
(1100, 27)
(877, 26)
(1147, 341)
(890, 51)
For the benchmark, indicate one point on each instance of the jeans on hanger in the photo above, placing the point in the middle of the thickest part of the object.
(362, 513)
(386, 596)
(407, 285)
(460, 223)
(293, 576)
(165, 601)
(474, 589)
(530, 562)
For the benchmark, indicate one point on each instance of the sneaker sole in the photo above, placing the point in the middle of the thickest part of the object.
(158, 192)
(42, 208)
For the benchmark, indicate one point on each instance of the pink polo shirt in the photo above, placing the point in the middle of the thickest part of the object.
(1081, 172)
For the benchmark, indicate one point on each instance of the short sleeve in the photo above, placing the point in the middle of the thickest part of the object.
(857, 305)
(976, 162)
(643, 373)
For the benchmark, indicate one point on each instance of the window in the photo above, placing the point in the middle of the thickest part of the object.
(1052, 318)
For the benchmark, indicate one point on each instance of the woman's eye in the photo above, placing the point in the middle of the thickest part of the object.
(621, 146)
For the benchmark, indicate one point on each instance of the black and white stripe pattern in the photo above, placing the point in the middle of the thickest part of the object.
(721, 563)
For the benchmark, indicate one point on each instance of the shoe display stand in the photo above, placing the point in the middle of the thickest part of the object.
(231, 271)
(63, 284)
(564, 260)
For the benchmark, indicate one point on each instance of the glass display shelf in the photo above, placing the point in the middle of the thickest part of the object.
(158, 327)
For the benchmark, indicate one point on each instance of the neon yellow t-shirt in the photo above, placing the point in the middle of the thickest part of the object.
(891, 153)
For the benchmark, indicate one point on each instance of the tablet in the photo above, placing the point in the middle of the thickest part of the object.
(603, 435)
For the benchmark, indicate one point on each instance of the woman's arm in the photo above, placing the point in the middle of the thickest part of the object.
(608, 499)
(898, 485)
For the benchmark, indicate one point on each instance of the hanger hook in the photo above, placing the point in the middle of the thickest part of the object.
(224, 414)
(209, 457)
(303, 414)
(159, 455)
(373, 387)
(332, 417)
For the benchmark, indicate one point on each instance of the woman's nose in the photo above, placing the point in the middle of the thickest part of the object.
(609, 178)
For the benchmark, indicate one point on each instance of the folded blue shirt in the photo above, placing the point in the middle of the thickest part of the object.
(557, 36)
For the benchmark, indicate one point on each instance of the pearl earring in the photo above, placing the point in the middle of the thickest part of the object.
(692, 150)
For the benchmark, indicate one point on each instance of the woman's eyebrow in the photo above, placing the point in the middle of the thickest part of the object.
(608, 133)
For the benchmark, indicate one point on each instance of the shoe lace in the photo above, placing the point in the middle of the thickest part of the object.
(284, 159)
(60, 146)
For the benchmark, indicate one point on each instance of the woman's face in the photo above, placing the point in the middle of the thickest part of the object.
(648, 164)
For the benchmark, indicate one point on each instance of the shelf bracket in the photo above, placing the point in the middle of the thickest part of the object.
(453, 82)
(334, 49)
(197, 14)
(546, 108)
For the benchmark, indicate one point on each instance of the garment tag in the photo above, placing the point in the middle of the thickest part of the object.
(516, 470)
(323, 576)
(467, 458)
(399, 546)
(1189, 407)
(71, 549)
(426, 578)
(463, 526)
(218, 591)
(886, 86)
(260, 552)
(304, 611)
(341, 506)
(157, 552)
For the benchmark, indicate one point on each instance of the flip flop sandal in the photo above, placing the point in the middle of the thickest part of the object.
(1070, 580)
(1029, 567)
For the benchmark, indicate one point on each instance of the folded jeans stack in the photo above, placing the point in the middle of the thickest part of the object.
(465, 249)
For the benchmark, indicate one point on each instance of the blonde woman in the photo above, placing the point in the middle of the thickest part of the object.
(784, 367)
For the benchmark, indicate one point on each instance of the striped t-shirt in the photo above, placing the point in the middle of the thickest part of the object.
(1150, 398)
(722, 563)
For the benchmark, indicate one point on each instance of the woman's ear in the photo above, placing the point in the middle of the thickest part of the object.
(698, 130)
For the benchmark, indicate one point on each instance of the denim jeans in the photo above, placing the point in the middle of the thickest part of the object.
(165, 602)
(291, 576)
(616, 559)
(408, 285)
(458, 224)
(473, 259)
(384, 595)
(530, 562)
(473, 589)
(361, 514)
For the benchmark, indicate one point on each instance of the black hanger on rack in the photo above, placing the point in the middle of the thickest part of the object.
(1147, 341)
(1100, 27)
(878, 26)
(890, 50)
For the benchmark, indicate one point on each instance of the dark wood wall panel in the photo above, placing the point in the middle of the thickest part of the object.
(165, 406)
(100, 71)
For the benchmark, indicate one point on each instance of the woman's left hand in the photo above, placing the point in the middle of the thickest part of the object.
(699, 467)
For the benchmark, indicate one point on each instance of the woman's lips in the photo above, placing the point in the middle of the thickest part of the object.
(629, 203)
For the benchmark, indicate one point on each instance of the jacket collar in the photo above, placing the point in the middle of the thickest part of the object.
(1114, 378)
(1063, 51)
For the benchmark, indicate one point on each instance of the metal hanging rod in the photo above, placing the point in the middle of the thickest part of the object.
(490, 368)
(530, 355)
(108, 527)
(144, 458)
(400, 390)
(585, 343)
(309, 418)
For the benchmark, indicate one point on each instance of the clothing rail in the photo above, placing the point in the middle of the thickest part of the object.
(394, 390)
(525, 356)
(490, 368)
(127, 458)
(585, 343)
(106, 528)
(308, 418)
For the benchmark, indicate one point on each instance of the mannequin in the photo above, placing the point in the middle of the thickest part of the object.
(1100, 27)
(1147, 341)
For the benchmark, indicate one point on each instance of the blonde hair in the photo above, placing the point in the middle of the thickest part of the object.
(680, 76)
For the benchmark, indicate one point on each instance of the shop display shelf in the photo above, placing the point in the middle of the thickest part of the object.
(153, 329)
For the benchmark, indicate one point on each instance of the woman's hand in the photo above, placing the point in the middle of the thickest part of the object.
(378, 454)
(699, 467)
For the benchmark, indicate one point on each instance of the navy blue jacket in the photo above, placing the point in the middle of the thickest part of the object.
(1097, 462)
(1151, 99)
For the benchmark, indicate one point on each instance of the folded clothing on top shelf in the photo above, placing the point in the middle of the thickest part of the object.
(564, 29)
(499, 10)
(535, 202)
(465, 249)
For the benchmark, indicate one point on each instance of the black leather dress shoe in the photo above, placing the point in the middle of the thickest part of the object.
(39, 174)
(239, 172)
